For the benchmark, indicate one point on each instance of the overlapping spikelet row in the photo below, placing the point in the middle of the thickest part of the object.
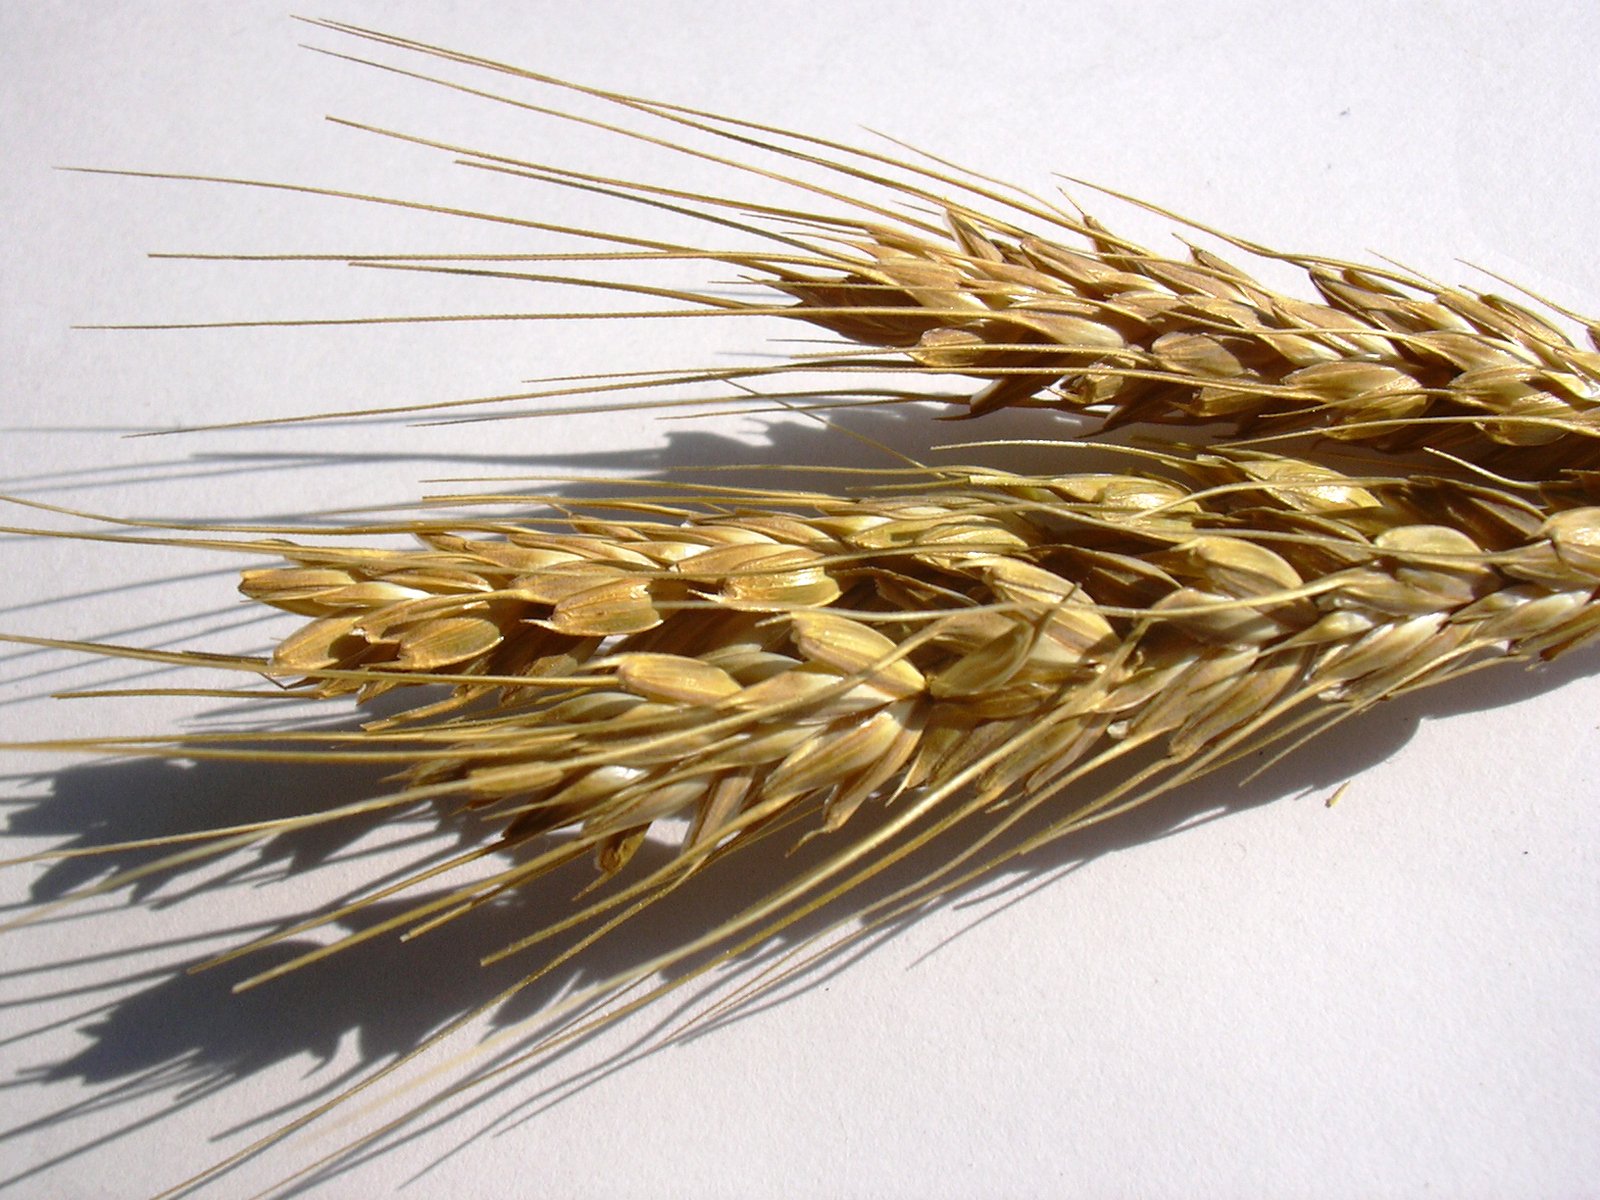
(1114, 328)
(992, 629)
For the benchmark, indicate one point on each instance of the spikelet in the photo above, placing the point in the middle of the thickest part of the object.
(976, 660)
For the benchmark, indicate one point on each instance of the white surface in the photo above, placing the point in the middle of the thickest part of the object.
(1393, 997)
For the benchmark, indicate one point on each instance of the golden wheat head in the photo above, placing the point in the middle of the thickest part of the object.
(833, 709)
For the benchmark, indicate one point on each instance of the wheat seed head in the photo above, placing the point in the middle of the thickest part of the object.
(625, 700)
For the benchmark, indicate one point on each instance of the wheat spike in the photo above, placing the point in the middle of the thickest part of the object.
(1001, 657)
(1105, 326)
(1042, 304)
(1005, 632)
(954, 654)
(971, 644)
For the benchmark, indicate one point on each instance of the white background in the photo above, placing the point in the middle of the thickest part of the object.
(1391, 997)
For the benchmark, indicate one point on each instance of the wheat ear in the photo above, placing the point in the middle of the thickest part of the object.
(1039, 303)
(1045, 306)
(962, 651)
(740, 666)
(954, 654)
(727, 663)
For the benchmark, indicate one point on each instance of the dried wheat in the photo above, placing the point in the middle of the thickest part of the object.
(1046, 306)
(964, 649)
(1042, 304)
(751, 660)
(1008, 635)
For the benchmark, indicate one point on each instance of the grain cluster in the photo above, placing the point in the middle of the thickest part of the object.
(1354, 495)
(1000, 631)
